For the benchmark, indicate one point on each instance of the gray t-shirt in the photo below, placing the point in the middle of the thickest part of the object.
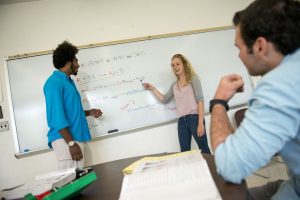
(196, 85)
(186, 98)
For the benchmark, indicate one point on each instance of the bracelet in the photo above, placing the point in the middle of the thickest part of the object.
(213, 102)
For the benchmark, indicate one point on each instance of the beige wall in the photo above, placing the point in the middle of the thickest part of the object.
(41, 25)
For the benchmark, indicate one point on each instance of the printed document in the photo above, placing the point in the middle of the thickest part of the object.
(182, 177)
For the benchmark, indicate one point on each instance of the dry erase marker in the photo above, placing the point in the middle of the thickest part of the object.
(83, 172)
(113, 130)
(142, 82)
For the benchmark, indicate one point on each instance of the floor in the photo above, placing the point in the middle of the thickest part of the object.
(275, 170)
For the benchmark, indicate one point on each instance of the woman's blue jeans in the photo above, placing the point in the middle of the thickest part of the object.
(187, 126)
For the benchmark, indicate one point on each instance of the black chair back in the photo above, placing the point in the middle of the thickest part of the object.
(239, 116)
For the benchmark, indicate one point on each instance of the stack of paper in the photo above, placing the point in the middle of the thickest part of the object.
(133, 166)
(41, 183)
(177, 177)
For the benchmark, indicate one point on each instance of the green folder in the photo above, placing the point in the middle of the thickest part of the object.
(70, 190)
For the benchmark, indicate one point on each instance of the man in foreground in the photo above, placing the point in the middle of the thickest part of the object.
(268, 39)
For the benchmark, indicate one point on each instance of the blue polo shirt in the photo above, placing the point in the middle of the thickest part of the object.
(64, 108)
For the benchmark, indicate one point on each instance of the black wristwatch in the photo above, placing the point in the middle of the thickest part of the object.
(213, 102)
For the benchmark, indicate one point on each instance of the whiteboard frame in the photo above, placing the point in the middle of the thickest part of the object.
(10, 106)
(1, 95)
(150, 37)
(26, 55)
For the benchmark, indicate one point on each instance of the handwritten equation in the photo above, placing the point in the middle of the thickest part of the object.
(114, 84)
(114, 58)
(88, 78)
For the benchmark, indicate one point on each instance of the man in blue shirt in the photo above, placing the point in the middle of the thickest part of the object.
(268, 39)
(65, 116)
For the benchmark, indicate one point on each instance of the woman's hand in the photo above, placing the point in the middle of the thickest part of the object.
(200, 130)
(148, 86)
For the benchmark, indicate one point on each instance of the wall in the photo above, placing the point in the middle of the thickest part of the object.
(41, 25)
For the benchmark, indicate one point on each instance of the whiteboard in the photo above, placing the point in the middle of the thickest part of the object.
(110, 78)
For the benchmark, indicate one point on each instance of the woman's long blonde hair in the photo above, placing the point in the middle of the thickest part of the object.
(188, 68)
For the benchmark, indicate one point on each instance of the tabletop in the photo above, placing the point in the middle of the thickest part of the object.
(110, 177)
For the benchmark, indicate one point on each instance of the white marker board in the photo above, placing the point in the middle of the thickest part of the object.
(109, 79)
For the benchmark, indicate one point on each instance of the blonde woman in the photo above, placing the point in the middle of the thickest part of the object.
(188, 96)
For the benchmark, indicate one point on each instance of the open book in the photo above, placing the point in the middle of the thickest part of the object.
(177, 177)
(41, 183)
